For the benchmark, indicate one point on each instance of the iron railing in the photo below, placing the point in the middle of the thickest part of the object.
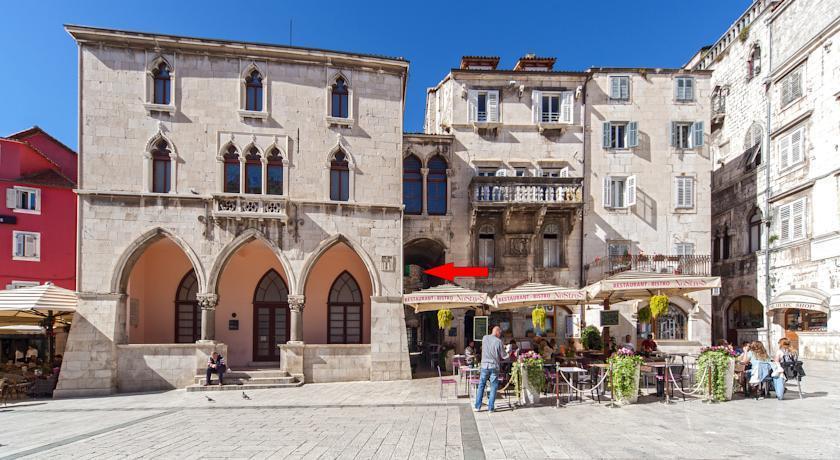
(600, 268)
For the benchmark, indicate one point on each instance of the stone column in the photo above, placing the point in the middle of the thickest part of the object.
(208, 302)
(296, 304)
(459, 315)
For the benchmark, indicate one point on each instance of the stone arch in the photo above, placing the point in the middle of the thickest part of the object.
(325, 246)
(247, 236)
(124, 265)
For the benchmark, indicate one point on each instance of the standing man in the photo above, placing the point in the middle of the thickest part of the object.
(492, 353)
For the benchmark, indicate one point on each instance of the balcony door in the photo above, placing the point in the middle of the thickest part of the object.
(271, 317)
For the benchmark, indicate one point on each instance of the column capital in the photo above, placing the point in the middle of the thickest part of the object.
(207, 301)
(296, 302)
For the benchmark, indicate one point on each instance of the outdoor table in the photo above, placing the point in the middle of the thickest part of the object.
(572, 371)
(466, 378)
(661, 369)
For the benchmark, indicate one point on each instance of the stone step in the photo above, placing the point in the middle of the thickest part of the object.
(243, 387)
(245, 380)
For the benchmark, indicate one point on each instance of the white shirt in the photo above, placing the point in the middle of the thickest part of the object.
(31, 352)
(629, 345)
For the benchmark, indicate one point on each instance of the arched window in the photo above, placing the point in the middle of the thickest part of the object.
(551, 246)
(161, 167)
(486, 246)
(254, 91)
(345, 310)
(232, 166)
(271, 316)
(755, 231)
(672, 324)
(339, 103)
(339, 177)
(412, 185)
(187, 311)
(754, 61)
(275, 172)
(161, 88)
(253, 171)
(436, 186)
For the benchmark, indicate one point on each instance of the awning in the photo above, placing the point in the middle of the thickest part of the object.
(534, 294)
(445, 296)
(30, 304)
(801, 299)
(634, 285)
(22, 329)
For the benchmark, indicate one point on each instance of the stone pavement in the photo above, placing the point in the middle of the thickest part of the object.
(408, 420)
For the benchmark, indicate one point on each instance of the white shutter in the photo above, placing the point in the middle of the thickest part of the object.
(567, 102)
(624, 87)
(684, 192)
(607, 135)
(697, 130)
(798, 219)
(30, 246)
(536, 106)
(472, 101)
(796, 145)
(38, 200)
(630, 191)
(786, 91)
(632, 134)
(607, 198)
(689, 89)
(674, 134)
(784, 152)
(493, 106)
(11, 198)
(784, 222)
(615, 88)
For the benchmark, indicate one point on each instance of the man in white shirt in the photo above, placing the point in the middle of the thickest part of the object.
(30, 352)
(628, 343)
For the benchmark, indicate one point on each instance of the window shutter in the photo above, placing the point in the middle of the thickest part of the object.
(678, 192)
(607, 198)
(615, 87)
(606, 139)
(566, 106)
(796, 145)
(632, 134)
(473, 105)
(796, 85)
(784, 222)
(678, 89)
(536, 106)
(689, 89)
(625, 88)
(674, 140)
(493, 106)
(30, 246)
(798, 219)
(630, 191)
(784, 152)
(697, 127)
(11, 198)
(786, 94)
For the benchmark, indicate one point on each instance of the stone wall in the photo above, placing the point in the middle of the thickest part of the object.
(816, 345)
(152, 367)
(337, 363)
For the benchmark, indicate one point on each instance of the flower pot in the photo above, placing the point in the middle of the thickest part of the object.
(528, 395)
(633, 397)
(730, 379)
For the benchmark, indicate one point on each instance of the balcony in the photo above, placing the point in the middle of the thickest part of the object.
(539, 191)
(694, 265)
(232, 205)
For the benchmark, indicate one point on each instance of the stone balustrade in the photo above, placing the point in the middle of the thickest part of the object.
(526, 190)
(259, 206)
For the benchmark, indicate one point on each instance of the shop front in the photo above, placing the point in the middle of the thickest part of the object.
(804, 316)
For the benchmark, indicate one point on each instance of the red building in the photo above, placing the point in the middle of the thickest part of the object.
(38, 219)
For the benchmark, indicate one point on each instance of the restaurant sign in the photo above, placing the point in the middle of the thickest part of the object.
(609, 317)
(566, 294)
(6, 219)
(798, 306)
(673, 283)
(481, 325)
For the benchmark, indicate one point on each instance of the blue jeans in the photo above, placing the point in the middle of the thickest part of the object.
(493, 375)
(779, 387)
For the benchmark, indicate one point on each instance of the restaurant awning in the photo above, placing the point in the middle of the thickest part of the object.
(801, 299)
(535, 294)
(445, 296)
(21, 329)
(634, 285)
(31, 304)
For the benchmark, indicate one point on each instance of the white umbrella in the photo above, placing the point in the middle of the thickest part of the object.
(36, 304)
(537, 294)
(445, 296)
(21, 329)
(636, 285)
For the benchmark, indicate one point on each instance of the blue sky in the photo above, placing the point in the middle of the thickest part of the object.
(38, 82)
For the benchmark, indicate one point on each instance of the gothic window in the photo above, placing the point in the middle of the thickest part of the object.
(274, 178)
(339, 99)
(232, 167)
(755, 231)
(345, 310)
(486, 246)
(187, 311)
(339, 177)
(754, 61)
(436, 184)
(254, 91)
(412, 185)
(161, 167)
(551, 246)
(161, 88)
(253, 171)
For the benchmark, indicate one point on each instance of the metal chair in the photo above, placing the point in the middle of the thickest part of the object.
(447, 381)
(674, 376)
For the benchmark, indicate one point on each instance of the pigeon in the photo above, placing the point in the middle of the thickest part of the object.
(245, 396)
(209, 398)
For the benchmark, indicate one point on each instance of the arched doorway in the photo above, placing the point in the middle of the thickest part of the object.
(744, 316)
(419, 255)
(271, 317)
(345, 310)
(187, 312)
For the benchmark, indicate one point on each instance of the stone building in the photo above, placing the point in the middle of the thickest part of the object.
(775, 137)
(235, 197)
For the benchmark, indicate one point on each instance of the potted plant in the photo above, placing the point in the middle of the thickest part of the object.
(528, 378)
(624, 375)
(591, 338)
(716, 365)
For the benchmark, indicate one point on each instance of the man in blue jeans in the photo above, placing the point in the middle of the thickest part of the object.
(492, 353)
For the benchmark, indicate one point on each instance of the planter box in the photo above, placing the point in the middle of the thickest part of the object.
(634, 390)
(730, 379)
(528, 396)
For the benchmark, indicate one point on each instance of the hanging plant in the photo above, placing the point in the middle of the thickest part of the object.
(538, 318)
(644, 315)
(658, 306)
(445, 318)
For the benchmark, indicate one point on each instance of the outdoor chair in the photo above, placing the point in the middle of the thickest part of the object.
(457, 362)
(447, 381)
(794, 371)
(674, 377)
(3, 391)
(648, 374)
(589, 380)
(433, 353)
(43, 387)
(473, 379)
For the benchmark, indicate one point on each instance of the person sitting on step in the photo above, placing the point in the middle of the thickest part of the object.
(216, 363)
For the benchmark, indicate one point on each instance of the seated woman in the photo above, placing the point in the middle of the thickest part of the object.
(760, 367)
(784, 355)
(512, 351)
(470, 353)
(547, 352)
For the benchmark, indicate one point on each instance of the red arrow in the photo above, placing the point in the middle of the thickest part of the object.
(449, 272)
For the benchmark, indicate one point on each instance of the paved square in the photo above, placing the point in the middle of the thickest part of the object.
(408, 420)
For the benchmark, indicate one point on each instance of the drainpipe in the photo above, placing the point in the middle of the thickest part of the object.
(582, 276)
(767, 156)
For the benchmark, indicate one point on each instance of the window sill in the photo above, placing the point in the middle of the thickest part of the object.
(617, 210)
(691, 210)
(485, 125)
(27, 259)
(251, 114)
(686, 101)
(27, 211)
(618, 101)
(161, 108)
(792, 168)
(681, 150)
(338, 121)
(619, 150)
(553, 126)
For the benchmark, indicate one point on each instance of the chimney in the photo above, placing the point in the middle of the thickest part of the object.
(534, 63)
(479, 62)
